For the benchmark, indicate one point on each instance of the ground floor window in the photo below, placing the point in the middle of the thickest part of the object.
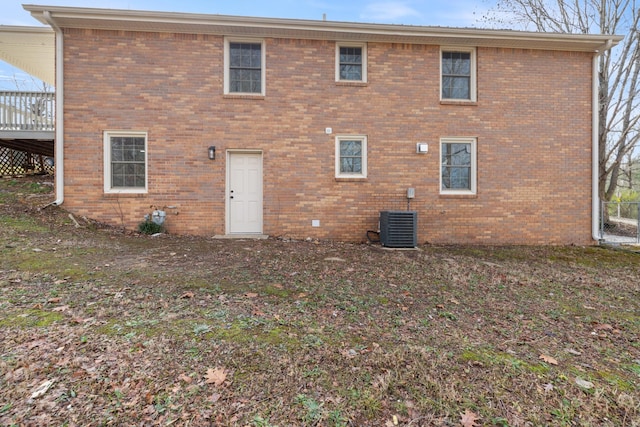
(458, 166)
(351, 157)
(125, 160)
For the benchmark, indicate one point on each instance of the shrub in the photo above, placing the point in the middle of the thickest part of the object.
(149, 227)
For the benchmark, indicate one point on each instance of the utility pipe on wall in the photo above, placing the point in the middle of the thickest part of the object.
(59, 141)
(595, 142)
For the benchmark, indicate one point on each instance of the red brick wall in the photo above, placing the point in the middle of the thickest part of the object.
(532, 121)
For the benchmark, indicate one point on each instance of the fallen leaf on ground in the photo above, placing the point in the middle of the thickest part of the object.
(469, 418)
(250, 295)
(42, 389)
(550, 360)
(584, 383)
(187, 295)
(186, 378)
(603, 327)
(216, 376)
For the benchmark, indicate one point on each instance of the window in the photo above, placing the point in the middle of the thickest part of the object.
(351, 62)
(458, 75)
(125, 162)
(458, 166)
(351, 157)
(244, 71)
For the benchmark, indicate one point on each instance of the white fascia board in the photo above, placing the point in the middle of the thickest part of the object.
(135, 20)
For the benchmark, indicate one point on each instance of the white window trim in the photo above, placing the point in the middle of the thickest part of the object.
(362, 138)
(107, 163)
(364, 61)
(263, 74)
(474, 164)
(473, 77)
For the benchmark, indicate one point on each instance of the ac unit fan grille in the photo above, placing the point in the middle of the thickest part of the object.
(398, 229)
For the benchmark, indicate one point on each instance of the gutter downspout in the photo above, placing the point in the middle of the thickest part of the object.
(59, 141)
(595, 143)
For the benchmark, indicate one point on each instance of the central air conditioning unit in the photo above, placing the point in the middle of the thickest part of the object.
(398, 229)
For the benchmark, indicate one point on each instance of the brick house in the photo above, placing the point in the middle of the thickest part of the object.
(318, 126)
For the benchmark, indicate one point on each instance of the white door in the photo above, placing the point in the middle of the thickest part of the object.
(244, 193)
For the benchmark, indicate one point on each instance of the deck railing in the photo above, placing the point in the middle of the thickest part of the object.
(620, 222)
(27, 111)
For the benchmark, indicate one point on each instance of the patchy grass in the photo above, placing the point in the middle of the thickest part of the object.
(128, 329)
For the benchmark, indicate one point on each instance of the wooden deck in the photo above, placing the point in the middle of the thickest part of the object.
(27, 132)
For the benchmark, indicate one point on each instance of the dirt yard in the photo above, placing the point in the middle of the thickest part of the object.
(99, 326)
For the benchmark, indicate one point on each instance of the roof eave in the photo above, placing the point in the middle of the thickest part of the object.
(134, 20)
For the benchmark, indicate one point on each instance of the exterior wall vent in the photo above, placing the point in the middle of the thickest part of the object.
(398, 229)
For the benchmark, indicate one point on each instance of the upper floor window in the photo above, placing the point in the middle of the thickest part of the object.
(244, 70)
(458, 74)
(458, 166)
(351, 62)
(125, 162)
(351, 157)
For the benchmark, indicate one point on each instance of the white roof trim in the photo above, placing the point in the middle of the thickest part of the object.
(32, 49)
(135, 20)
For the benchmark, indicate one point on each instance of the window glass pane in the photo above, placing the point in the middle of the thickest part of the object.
(245, 67)
(245, 55)
(117, 174)
(127, 161)
(456, 166)
(351, 165)
(350, 148)
(460, 154)
(456, 75)
(456, 63)
(350, 63)
(256, 55)
(455, 87)
(350, 72)
(351, 55)
(457, 179)
(351, 156)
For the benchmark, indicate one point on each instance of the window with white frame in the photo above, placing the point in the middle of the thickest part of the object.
(458, 69)
(351, 157)
(244, 70)
(458, 166)
(125, 162)
(351, 62)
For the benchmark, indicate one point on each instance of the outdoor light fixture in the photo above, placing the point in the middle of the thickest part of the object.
(212, 152)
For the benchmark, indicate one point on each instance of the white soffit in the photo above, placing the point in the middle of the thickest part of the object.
(132, 20)
(31, 49)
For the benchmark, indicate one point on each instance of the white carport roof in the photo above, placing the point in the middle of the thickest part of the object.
(31, 49)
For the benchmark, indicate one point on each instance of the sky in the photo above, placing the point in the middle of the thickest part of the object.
(450, 13)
